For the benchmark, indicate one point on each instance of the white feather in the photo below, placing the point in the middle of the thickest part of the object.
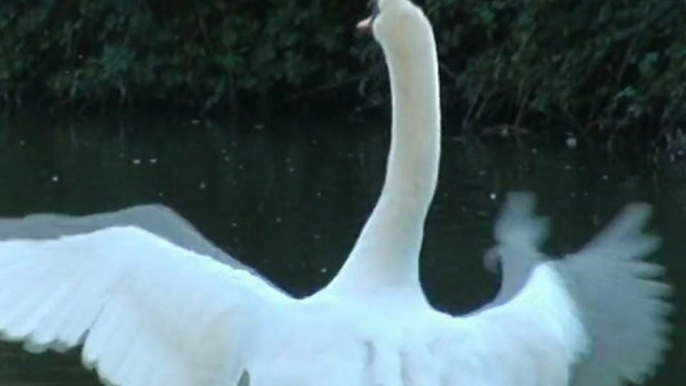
(148, 312)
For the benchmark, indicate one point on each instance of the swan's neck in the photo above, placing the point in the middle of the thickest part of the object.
(386, 255)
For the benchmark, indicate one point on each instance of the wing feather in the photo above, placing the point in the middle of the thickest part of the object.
(154, 218)
(533, 339)
(596, 317)
(147, 312)
(622, 299)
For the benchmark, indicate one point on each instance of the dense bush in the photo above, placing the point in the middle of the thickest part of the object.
(194, 53)
(590, 65)
(594, 66)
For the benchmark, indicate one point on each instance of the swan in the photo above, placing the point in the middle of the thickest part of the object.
(151, 307)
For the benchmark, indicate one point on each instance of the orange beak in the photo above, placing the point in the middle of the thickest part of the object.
(366, 25)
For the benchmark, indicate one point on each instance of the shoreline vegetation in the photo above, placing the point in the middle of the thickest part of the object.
(600, 69)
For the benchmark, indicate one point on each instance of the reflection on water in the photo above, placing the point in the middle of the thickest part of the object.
(290, 201)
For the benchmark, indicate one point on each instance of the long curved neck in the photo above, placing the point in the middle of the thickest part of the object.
(386, 254)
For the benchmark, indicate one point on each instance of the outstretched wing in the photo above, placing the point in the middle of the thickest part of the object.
(155, 218)
(621, 300)
(147, 312)
(550, 316)
(533, 339)
(519, 234)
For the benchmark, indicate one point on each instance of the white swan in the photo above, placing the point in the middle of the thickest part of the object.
(149, 312)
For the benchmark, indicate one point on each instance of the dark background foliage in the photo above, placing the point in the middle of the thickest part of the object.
(595, 67)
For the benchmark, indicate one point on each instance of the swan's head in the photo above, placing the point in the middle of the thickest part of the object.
(398, 25)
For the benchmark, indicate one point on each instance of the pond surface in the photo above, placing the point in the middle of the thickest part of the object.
(290, 200)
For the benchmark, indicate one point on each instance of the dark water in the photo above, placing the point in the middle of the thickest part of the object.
(289, 201)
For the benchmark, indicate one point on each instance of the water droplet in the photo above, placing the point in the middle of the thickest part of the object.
(55, 178)
(493, 196)
(136, 161)
(202, 184)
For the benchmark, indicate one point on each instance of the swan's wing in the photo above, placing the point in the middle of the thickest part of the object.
(532, 339)
(155, 218)
(147, 312)
(604, 302)
(520, 233)
(622, 302)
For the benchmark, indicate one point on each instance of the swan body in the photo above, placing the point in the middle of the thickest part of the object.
(158, 305)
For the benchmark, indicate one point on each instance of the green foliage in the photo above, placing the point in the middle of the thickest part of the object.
(591, 66)
(198, 54)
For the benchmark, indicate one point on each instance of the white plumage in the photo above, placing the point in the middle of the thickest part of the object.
(152, 309)
(143, 308)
